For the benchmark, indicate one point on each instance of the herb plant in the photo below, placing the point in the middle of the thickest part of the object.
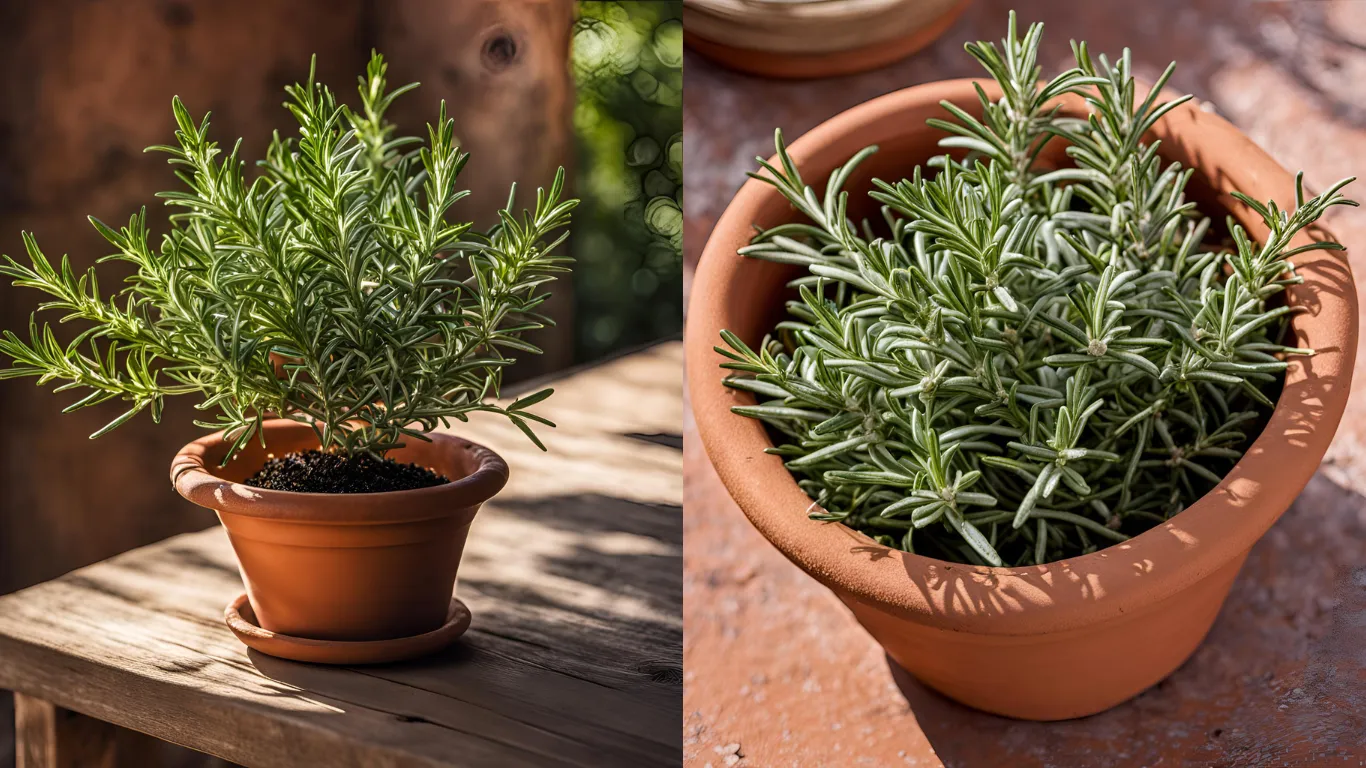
(330, 288)
(1027, 364)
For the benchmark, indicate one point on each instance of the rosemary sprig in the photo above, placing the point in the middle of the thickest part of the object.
(1029, 364)
(331, 288)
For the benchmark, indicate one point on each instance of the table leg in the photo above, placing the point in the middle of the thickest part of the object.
(48, 736)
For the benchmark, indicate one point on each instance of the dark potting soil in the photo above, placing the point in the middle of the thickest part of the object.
(318, 472)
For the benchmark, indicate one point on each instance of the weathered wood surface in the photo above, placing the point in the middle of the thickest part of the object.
(779, 673)
(53, 737)
(572, 573)
(87, 85)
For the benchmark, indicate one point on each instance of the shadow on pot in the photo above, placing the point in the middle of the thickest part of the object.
(1069, 638)
(955, 589)
(1283, 658)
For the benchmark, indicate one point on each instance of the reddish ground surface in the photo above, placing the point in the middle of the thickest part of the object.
(777, 672)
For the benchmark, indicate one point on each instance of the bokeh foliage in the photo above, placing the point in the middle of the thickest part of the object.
(628, 235)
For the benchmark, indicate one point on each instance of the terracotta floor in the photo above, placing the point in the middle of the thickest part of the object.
(777, 672)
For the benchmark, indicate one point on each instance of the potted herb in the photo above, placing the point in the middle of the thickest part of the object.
(1027, 408)
(331, 315)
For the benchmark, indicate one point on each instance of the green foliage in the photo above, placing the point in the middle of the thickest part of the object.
(628, 64)
(329, 289)
(1030, 364)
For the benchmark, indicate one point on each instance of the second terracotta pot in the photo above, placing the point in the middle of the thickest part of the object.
(365, 566)
(1069, 638)
(827, 38)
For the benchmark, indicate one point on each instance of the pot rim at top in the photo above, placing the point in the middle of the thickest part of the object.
(1125, 578)
(193, 480)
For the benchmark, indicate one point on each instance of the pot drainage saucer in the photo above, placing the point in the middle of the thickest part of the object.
(242, 621)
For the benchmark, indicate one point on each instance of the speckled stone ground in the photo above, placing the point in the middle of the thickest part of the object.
(778, 673)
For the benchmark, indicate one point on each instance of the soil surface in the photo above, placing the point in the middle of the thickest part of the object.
(318, 472)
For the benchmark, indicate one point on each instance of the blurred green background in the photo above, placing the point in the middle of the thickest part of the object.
(628, 238)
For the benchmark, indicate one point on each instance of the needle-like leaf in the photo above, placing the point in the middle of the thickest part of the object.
(1073, 344)
(329, 288)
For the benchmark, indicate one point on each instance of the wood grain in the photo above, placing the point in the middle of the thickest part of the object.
(52, 737)
(574, 657)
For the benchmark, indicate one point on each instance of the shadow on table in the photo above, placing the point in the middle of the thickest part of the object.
(606, 579)
(666, 439)
(1279, 680)
(589, 606)
(597, 594)
(622, 548)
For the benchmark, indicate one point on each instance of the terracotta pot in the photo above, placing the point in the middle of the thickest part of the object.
(1069, 638)
(363, 566)
(817, 38)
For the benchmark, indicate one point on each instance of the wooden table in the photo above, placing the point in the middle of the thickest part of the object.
(574, 657)
(778, 673)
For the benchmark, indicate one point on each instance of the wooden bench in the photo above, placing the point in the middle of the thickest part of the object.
(573, 574)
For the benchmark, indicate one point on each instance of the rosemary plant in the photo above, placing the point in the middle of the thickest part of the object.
(330, 288)
(1027, 364)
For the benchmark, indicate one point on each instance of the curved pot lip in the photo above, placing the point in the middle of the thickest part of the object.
(787, 65)
(194, 481)
(1215, 531)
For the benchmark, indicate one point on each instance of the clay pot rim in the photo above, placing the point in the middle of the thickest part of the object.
(1212, 532)
(789, 65)
(196, 482)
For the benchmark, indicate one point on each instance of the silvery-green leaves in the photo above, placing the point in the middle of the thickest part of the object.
(330, 288)
(1014, 129)
(1018, 365)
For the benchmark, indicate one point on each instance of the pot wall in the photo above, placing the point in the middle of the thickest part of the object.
(1045, 642)
(1059, 675)
(370, 566)
(349, 582)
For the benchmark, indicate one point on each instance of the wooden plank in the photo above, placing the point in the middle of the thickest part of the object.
(574, 657)
(48, 736)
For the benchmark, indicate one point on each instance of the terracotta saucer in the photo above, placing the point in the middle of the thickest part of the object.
(242, 621)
